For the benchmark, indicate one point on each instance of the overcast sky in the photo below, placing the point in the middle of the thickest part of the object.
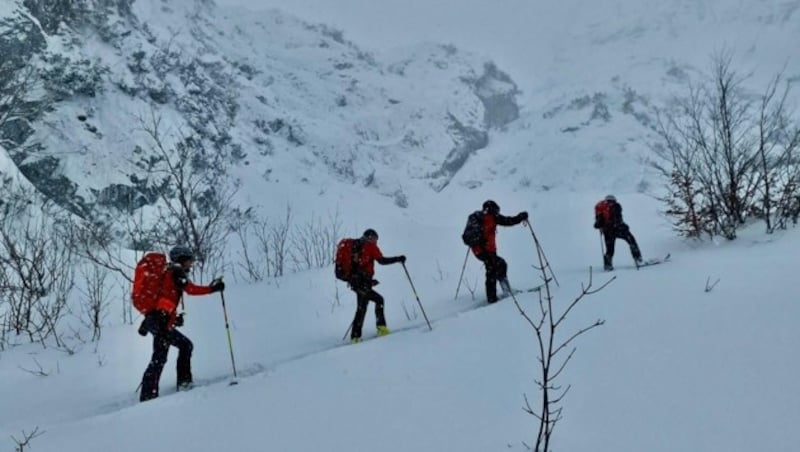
(503, 33)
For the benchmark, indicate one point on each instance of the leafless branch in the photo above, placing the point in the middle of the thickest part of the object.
(709, 286)
(546, 328)
(39, 371)
(26, 439)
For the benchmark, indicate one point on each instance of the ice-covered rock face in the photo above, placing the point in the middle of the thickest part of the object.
(254, 92)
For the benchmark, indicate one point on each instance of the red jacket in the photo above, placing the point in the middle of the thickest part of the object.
(171, 292)
(369, 254)
(490, 223)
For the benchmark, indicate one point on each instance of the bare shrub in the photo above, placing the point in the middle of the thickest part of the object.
(277, 235)
(25, 440)
(313, 244)
(253, 263)
(472, 288)
(726, 158)
(95, 242)
(271, 247)
(778, 142)
(36, 262)
(127, 305)
(94, 306)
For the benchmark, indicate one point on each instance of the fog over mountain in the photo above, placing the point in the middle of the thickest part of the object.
(274, 128)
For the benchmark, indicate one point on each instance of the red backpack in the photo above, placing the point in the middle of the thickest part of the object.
(347, 253)
(148, 281)
(602, 210)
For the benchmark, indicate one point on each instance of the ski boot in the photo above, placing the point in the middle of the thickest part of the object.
(607, 265)
(505, 287)
(383, 330)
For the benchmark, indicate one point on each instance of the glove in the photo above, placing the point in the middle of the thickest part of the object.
(597, 225)
(374, 282)
(402, 258)
(179, 320)
(142, 329)
(217, 285)
(523, 216)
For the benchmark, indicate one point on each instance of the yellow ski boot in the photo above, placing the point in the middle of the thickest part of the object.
(383, 330)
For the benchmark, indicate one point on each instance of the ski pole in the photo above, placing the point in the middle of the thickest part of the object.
(228, 329)
(540, 250)
(461, 278)
(348, 331)
(416, 296)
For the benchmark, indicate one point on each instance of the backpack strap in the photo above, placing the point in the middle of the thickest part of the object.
(355, 256)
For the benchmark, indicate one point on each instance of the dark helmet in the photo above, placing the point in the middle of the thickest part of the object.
(491, 207)
(611, 198)
(180, 254)
(370, 233)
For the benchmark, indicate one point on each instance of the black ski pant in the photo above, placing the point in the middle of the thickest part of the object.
(619, 232)
(163, 338)
(496, 269)
(363, 297)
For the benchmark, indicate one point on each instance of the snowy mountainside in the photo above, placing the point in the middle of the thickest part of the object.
(266, 93)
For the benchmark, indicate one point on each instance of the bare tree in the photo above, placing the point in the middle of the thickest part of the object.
(197, 194)
(94, 241)
(555, 351)
(17, 81)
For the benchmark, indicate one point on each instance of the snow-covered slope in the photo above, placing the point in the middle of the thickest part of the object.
(675, 367)
(278, 99)
(589, 73)
(396, 102)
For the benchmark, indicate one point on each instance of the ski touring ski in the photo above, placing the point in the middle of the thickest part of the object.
(520, 291)
(376, 336)
(653, 261)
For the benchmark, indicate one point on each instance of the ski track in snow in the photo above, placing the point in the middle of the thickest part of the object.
(464, 304)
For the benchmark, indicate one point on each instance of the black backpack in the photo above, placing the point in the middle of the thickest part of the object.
(473, 231)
